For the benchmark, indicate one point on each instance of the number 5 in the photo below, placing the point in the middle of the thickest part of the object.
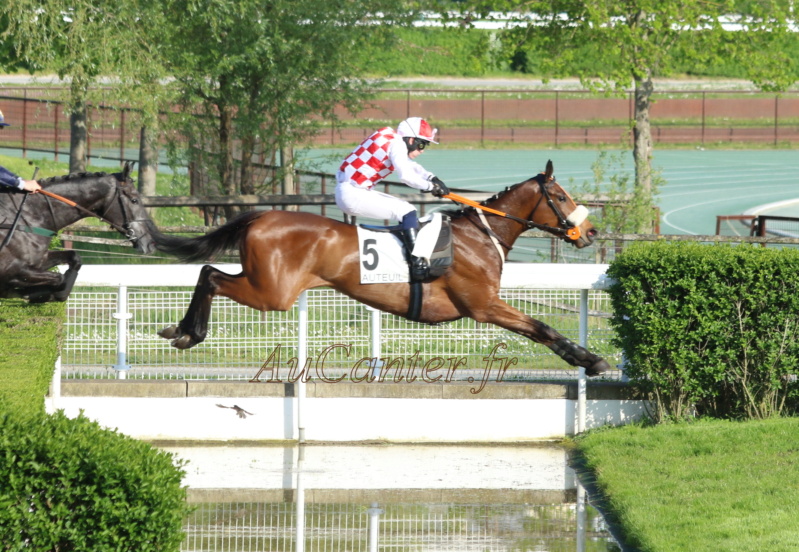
(368, 249)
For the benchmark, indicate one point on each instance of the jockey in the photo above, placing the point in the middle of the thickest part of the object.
(7, 178)
(385, 151)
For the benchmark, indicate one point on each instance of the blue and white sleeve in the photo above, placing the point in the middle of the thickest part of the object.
(7, 178)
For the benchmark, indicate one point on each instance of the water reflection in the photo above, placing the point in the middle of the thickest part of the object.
(370, 498)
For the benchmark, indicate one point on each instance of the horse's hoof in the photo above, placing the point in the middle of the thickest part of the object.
(170, 332)
(597, 368)
(184, 342)
(38, 297)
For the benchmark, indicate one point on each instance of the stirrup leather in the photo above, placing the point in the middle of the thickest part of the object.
(419, 267)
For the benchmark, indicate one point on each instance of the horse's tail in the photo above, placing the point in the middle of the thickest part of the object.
(210, 245)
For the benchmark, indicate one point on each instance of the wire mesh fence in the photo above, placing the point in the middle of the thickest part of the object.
(773, 225)
(345, 338)
(253, 526)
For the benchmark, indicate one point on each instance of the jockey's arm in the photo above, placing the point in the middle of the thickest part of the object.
(408, 171)
(7, 178)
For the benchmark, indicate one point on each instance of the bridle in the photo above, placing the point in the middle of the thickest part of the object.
(126, 228)
(569, 226)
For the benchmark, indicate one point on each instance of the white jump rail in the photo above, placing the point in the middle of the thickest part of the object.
(547, 276)
(515, 275)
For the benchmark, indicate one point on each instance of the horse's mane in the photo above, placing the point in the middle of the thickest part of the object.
(71, 177)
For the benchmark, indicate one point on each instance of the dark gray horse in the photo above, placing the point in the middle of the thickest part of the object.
(25, 261)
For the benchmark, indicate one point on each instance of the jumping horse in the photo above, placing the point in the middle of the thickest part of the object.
(30, 222)
(284, 253)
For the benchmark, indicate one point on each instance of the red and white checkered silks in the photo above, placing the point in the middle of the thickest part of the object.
(369, 163)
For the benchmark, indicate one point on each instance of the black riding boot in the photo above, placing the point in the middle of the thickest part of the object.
(419, 267)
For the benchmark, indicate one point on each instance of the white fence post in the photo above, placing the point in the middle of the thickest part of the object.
(302, 355)
(581, 517)
(122, 316)
(582, 383)
(374, 324)
(374, 527)
(300, 503)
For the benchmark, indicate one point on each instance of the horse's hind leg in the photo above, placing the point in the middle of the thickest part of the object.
(212, 282)
(194, 327)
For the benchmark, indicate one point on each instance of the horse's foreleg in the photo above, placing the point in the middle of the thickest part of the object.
(507, 317)
(73, 262)
(40, 285)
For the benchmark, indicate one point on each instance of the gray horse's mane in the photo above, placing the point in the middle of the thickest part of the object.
(71, 177)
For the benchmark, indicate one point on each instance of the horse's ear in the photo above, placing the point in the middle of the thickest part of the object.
(127, 169)
(550, 170)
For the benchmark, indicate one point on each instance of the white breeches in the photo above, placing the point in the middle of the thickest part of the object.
(363, 202)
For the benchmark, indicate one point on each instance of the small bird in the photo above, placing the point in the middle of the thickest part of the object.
(240, 412)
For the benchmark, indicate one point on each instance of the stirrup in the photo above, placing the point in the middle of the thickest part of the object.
(419, 268)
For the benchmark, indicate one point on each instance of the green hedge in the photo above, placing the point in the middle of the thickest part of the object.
(31, 338)
(69, 485)
(709, 330)
(65, 484)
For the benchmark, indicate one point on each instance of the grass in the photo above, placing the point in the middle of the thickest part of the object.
(704, 486)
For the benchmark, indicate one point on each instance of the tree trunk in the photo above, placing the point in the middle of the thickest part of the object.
(247, 172)
(289, 186)
(78, 129)
(642, 134)
(148, 161)
(226, 173)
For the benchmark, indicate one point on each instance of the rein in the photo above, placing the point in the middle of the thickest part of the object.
(121, 229)
(569, 230)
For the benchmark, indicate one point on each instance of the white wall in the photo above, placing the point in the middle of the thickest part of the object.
(347, 419)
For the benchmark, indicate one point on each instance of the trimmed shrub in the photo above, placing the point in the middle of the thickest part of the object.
(31, 338)
(70, 485)
(709, 330)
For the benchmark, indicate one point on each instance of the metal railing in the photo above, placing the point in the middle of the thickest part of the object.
(523, 116)
(115, 312)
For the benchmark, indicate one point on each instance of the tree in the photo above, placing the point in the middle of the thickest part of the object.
(82, 41)
(253, 77)
(637, 40)
(10, 61)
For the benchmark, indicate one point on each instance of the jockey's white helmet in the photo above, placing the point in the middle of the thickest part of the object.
(416, 127)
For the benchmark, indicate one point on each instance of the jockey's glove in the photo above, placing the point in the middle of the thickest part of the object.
(439, 189)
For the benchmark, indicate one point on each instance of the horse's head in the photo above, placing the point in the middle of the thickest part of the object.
(129, 215)
(557, 212)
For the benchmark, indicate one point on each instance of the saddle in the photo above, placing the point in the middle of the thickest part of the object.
(440, 258)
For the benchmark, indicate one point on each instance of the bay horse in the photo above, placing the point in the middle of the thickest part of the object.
(25, 261)
(284, 253)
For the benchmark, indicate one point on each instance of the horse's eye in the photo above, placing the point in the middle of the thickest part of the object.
(562, 199)
(134, 200)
